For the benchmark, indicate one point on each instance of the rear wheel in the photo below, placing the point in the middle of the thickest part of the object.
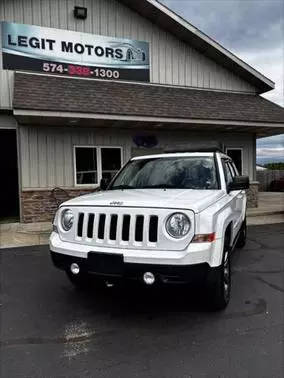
(243, 235)
(219, 288)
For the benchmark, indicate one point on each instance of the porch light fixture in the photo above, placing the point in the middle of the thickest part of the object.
(146, 141)
(80, 12)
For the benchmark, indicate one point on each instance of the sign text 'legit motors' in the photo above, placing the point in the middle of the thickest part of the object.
(34, 48)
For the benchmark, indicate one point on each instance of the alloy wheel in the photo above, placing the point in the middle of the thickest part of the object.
(226, 276)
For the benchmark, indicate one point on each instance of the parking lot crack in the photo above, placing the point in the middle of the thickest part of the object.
(273, 286)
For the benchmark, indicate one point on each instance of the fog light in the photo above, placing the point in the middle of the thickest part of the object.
(149, 278)
(75, 269)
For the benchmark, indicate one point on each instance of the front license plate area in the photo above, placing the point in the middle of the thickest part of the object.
(105, 263)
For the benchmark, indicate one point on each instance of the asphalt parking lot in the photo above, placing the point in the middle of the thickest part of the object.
(50, 329)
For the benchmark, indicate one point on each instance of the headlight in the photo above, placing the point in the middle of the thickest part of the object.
(67, 219)
(178, 225)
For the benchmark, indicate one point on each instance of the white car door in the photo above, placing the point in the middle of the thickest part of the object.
(240, 198)
(237, 196)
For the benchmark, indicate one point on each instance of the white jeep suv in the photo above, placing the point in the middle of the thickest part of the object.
(168, 218)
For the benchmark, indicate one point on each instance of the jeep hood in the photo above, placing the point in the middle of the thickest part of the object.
(196, 200)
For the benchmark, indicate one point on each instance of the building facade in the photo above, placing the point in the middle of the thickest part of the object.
(87, 85)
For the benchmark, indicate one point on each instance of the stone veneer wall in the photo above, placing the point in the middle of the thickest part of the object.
(41, 205)
(252, 194)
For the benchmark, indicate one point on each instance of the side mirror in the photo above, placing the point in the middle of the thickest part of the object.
(104, 183)
(239, 183)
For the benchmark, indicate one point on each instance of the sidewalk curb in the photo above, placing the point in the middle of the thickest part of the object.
(264, 213)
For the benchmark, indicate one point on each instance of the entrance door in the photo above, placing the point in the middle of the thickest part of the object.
(236, 154)
(9, 188)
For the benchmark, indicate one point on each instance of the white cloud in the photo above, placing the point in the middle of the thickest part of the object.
(274, 141)
(252, 29)
(270, 62)
(270, 152)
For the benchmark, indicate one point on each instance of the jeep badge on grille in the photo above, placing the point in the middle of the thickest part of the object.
(116, 203)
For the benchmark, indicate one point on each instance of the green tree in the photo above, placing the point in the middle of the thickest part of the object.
(274, 166)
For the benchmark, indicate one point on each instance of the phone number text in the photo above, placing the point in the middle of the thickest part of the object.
(75, 70)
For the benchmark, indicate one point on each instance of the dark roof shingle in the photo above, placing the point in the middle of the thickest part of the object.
(53, 93)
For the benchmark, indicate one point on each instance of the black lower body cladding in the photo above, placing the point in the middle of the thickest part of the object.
(112, 266)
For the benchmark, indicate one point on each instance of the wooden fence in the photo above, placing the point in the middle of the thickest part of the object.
(266, 178)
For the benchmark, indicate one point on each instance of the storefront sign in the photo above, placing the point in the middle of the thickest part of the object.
(34, 48)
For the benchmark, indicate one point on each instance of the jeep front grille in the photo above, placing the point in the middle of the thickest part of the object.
(112, 227)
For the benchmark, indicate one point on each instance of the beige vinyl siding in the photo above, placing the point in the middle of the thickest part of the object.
(172, 61)
(46, 153)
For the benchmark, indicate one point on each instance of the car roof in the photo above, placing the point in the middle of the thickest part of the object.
(179, 154)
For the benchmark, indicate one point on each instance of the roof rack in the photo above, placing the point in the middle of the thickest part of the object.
(196, 147)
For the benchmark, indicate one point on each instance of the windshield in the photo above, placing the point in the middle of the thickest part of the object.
(168, 172)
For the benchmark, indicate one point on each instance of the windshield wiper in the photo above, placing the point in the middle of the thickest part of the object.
(122, 187)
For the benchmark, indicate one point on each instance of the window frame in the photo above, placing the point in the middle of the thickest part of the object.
(242, 157)
(232, 168)
(99, 163)
(225, 163)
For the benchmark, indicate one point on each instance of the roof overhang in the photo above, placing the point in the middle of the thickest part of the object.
(48, 97)
(72, 119)
(166, 19)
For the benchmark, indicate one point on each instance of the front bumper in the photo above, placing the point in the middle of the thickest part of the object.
(195, 253)
(190, 265)
(115, 268)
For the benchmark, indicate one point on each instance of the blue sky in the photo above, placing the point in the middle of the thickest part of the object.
(254, 31)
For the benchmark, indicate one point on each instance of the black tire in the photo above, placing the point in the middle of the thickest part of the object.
(243, 235)
(219, 284)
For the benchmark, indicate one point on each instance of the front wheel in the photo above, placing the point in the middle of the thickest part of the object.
(219, 288)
